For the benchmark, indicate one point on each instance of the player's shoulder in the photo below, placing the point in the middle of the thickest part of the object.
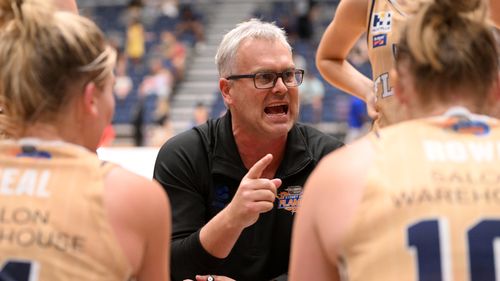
(345, 166)
(130, 188)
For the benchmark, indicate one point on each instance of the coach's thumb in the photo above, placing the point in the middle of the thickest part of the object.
(276, 182)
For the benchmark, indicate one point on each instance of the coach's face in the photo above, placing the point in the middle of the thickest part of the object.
(269, 112)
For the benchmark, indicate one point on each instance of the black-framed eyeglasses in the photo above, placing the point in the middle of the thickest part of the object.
(267, 80)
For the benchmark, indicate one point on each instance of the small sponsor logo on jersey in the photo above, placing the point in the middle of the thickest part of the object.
(379, 40)
(381, 22)
(33, 152)
(289, 198)
(467, 126)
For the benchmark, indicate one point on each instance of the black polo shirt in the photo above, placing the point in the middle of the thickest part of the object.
(201, 169)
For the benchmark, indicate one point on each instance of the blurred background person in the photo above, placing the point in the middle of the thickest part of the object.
(311, 92)
(200, 114)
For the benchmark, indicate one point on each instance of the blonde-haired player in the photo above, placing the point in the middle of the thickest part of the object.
(64, 214)
(382, 21)
(419, 200)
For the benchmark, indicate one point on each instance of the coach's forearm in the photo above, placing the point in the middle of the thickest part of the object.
(219, 235)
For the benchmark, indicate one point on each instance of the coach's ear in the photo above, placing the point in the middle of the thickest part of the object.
(225, 89)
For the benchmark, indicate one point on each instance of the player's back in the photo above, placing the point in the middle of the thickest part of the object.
(53, 224)
(431, 207)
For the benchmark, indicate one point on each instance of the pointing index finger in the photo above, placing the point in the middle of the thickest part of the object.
(258, 168)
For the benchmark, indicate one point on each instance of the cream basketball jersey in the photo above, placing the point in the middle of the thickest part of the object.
(53, 225)
(431, 208)
(385, 20)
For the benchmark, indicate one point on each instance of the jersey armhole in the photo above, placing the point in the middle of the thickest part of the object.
(368, 27)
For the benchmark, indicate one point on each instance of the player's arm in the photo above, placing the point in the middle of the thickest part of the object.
(139, 212)
(349, 22)
(309, 259)
(332, 194)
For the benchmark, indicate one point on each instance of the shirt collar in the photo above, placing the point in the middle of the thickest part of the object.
(227, 161)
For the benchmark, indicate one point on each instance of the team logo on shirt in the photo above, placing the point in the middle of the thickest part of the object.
(379, 40)
(33, 152)
(467, 126)
(289, 198)
(381, 22)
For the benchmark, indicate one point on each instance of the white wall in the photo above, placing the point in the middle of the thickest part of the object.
(139, 160)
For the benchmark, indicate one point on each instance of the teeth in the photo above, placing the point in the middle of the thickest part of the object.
(276, 109)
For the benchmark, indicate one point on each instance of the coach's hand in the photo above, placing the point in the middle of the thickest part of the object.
(254, 196)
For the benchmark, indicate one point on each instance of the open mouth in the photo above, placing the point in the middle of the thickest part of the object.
(278, 109)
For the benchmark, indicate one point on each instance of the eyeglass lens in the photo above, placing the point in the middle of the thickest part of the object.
(291, 78)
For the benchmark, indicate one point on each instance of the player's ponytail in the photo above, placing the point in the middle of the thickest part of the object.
(44, 54)
(25, 17)
(449, 46)
(20, 21)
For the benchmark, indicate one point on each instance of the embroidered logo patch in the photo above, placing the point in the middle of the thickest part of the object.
(289, 198)
(466, 126)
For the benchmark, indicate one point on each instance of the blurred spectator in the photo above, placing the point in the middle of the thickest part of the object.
(170, 8)
(304, 10)
(200, 114)
(311, 93)
(135, 40)
(159, 84)
(358, 121)
(159, 81)
(136, 37)
(359, 57)
(300, 61)
(174, 51)
(308, 19)
(285, 21)
(190, 25)
(123, 82)
(161, 132)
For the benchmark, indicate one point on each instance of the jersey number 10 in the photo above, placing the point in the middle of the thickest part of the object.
(429, 238)
(19, 270)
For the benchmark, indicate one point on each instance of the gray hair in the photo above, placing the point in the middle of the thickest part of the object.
(254, 29)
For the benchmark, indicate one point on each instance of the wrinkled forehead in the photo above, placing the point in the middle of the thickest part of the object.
(262, 53)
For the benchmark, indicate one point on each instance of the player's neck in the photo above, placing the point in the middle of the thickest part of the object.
(50, 132)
